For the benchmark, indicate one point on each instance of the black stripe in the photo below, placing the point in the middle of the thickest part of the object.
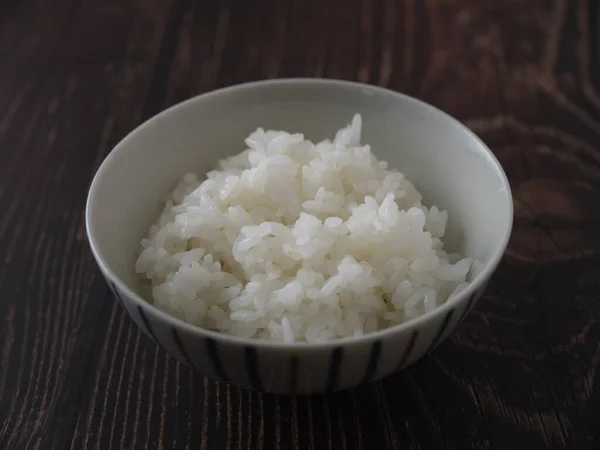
(407, 351)
(293, 375)
(181, 348)
(373, 362)
(149, 329)
(215, 359)
(468, 308)
(334, 368)
(252, 367)
(440, 333)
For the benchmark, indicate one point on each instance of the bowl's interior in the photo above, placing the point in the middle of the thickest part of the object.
(450, 166)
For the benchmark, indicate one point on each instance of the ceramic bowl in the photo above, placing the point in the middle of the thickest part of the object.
(446, 162)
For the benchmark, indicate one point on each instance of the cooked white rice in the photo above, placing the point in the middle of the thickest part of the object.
(294, 241)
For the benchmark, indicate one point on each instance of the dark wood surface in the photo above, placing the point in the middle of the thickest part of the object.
(77, 75)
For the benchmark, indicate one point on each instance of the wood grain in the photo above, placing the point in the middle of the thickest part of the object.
(76, 76)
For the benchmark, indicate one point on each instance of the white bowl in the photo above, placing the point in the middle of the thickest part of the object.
(446, 162)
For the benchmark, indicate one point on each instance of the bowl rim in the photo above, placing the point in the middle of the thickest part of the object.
(480, 278)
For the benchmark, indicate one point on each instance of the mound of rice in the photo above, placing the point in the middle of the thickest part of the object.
(293, 241)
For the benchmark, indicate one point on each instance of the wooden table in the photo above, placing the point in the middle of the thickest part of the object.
(76, 76)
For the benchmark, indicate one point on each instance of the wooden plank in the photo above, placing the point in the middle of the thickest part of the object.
(76, 76)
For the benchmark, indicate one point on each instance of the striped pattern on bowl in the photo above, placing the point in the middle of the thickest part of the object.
(342, 365)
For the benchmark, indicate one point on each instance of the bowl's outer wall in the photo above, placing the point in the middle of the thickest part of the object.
(450, 166)
(299, 370)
